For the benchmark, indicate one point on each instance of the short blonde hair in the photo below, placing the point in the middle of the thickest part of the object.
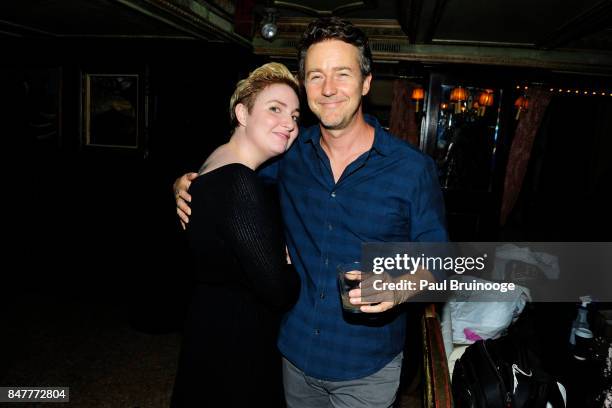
(247, 89)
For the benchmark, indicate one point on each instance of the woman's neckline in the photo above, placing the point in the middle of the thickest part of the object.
(225, 166)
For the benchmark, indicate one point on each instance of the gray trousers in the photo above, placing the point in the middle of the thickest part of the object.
(374, 391)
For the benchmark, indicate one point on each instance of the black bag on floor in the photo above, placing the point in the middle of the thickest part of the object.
(502, 373)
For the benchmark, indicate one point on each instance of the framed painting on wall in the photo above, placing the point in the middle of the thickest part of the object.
(44, 106)
(111, 110)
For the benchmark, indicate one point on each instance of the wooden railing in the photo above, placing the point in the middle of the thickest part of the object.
(437, 386)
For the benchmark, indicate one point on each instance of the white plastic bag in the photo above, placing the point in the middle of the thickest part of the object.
(470, 321)
(547, 263)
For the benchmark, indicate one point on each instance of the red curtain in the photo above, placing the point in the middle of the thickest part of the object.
(520, 151)
(243, 18)
(402, 118)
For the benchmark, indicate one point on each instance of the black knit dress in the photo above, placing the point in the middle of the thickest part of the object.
(229, 356)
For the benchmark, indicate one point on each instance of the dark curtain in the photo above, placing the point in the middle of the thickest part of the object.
(520, 150)
(564, 193)
(403, 120)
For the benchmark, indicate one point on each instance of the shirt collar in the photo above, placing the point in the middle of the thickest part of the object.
(381, 137)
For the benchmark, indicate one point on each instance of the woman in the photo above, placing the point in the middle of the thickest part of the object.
(229, 357)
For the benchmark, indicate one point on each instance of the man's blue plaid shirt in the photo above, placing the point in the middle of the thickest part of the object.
(389, 194)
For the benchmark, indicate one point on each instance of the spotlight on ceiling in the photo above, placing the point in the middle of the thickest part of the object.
(269, 29)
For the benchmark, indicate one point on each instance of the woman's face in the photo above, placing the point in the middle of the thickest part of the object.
(272, 123)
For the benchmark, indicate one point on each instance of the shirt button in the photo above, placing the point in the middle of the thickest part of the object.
(330, 227)
(333, 194)
(317, 332)
(322, 296)
(326, 261)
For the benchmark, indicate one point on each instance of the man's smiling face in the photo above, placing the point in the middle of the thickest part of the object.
(334, 82)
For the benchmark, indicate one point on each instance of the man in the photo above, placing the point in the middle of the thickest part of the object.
(344, 182)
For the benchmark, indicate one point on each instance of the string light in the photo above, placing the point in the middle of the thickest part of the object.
(570, 91)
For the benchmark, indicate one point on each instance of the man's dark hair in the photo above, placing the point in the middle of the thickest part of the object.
(333, 28)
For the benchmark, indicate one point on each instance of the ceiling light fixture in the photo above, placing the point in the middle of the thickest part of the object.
(269, 29)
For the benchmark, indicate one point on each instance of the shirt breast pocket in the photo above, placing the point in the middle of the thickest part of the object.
(384, 223)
